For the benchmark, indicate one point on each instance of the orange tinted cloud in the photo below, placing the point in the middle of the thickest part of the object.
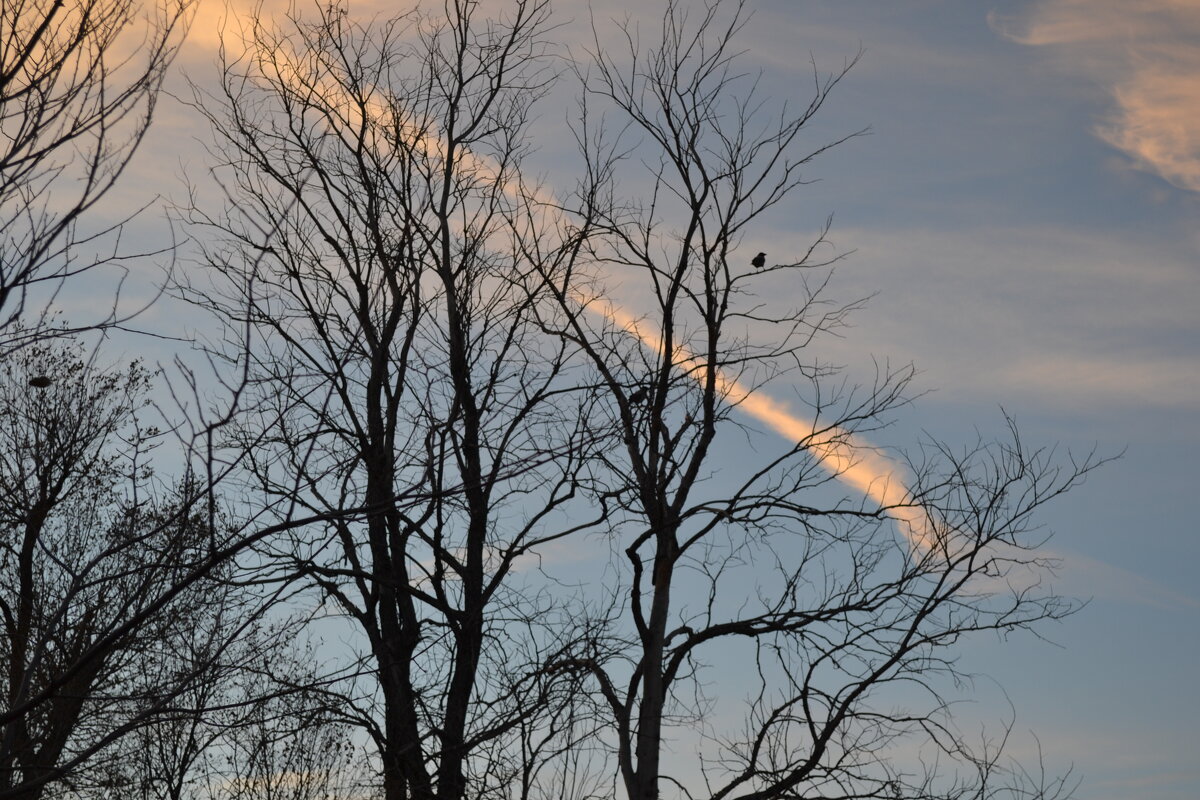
(1157, 122)
(851, 460)
(1148, 55)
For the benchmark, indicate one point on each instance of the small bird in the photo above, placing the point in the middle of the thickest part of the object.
(759, 261)
(638, 396)
(40, 381)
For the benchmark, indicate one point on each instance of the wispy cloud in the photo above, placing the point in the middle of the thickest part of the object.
(1147, 54)
(1135, 760)
(1070, 318)
(1084, 576)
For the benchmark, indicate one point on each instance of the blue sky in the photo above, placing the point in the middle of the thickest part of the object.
(1031, 234)
(1024, 213)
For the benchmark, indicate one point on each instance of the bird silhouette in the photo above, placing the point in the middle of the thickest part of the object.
(759, 261)
(40, 381)
(638, 396)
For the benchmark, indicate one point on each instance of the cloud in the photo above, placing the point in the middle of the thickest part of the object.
(1084, 576)
(1157, 123)
(1135, 759)
(1057, 316)
(1147, 54)
(1127, 379)
(850, 459)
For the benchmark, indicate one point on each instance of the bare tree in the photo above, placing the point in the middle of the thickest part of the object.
(841, 607)
(249, 670)
(130, 631)
(441, 384)
(78, 86)
(286, 746)
(116, 601)
(260, 728)
(403, 387)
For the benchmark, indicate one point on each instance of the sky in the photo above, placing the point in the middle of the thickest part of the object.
(1023, 215)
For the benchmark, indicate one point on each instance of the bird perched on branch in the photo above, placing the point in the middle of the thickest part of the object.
(759, 261)
(638, 396)
(40, 381)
